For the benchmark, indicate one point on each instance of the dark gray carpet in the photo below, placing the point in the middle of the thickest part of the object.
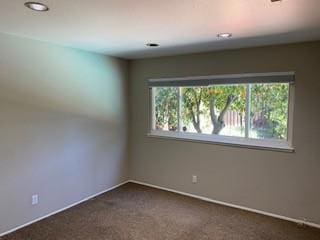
(134, 212)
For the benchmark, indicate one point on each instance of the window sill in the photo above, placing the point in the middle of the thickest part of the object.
(271, 145)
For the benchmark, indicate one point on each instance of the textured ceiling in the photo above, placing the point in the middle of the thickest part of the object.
(123, 27)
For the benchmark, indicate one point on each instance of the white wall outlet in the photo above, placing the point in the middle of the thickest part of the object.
(35, 199)
(194, 178)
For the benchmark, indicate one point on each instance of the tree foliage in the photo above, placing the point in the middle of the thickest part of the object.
(166, 105)
(268, 103)
(192, 99)
(216, 101)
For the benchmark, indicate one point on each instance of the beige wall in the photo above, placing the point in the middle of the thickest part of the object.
(275, 182)
(63, 128)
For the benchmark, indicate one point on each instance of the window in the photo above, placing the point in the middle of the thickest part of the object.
(250, 109)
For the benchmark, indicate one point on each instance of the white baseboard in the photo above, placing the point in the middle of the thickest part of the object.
(62, 209)
(166, 189)
(300, 222)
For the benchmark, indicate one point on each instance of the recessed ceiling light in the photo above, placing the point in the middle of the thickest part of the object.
(224, 35)
(152, 45)
(36, 6)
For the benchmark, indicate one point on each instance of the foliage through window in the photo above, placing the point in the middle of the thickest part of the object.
(242, 110)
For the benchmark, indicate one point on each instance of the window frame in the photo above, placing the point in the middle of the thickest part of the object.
(246, 141)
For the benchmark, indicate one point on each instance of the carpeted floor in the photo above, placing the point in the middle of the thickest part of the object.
(135, 212)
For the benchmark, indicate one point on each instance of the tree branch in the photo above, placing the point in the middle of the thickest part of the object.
(213, 111)
(218, 123)
(196, 116)
(230, 100)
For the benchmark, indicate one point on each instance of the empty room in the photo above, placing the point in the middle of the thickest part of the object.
(160, 120)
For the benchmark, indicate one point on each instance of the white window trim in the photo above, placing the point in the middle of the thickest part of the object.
(264, 144)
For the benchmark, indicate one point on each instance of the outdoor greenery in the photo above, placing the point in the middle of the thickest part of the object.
(269, 110)
(166, 105)
(268, 105)
(216, 102)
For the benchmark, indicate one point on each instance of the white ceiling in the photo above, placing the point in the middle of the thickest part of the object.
(122, 27)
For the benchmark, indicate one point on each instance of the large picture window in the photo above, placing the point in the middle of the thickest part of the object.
(250, 109)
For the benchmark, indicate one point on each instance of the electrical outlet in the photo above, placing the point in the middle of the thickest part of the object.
(194, 178)
(35, 199)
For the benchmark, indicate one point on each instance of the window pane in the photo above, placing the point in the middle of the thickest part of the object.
(166, 108)
(214, 110)
(269, 111)
(194, 111)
